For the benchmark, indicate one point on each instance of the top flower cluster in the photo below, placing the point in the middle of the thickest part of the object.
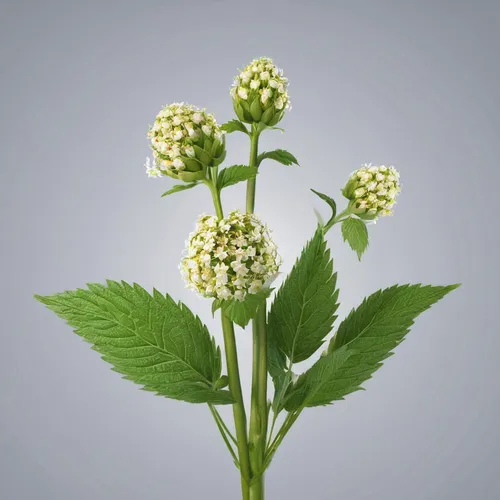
(261, 78)
(177, 130)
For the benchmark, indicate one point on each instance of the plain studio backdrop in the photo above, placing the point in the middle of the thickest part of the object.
(414, 84)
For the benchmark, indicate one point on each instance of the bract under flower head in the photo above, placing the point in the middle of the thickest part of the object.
(231, 257)
(372, 190)
(185, 141)
(260, 93)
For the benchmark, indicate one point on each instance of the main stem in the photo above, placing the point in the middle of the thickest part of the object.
(233, 373)
(258, 414)
(240, 420)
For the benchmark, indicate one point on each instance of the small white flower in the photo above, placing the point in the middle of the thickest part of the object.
(273, 84)
(207, 130)
(178, 164)
(264, 76)
(266, 94)
(242, 92)
(255, 84)
(190, 151)
(223, 293)
(178, 135)
(279, 103)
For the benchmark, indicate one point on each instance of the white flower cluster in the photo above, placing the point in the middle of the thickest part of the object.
(373, 189)
(177, 128)
(231, 257)
(262, 79)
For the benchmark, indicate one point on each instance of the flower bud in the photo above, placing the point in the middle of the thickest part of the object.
(231, 257)
(372, 191)
(185, 141)
(260, 93)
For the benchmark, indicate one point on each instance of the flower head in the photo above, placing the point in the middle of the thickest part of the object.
(185, 140)
(372, 190)
(260, 93)
(231, 257)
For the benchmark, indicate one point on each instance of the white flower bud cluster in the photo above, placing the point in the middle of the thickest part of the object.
(177, 128)
(231, 257)
(263, 79)
(373, 189)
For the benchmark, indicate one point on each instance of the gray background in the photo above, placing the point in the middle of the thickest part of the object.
(414, 84)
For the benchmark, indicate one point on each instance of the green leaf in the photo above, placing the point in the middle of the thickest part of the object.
(279, 155)
(232, 175)
(355, 233)
(368, 335)
(303, 311)
(331, 203)
(179, 187)
(150, 339)
(241, 312)
(234, 126)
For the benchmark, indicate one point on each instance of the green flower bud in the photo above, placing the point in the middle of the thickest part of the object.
(372, 191)
(260, 94)
(185, 141)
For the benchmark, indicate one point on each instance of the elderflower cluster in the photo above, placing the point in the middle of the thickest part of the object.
(231, 257)
(184, 138)
(373, 190)
(259, 92)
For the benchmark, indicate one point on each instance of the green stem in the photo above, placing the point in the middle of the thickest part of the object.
(240, 421)
(287, 425)
(224, 431)
(254, 147)
(337, 219)
(259, 412)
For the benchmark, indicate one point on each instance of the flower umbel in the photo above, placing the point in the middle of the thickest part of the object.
(372, 190)
(231, 257)
(185, 141)
(260, 93)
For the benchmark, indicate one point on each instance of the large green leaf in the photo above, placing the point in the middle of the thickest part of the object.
(368, 336)
(150, 339)
(303, 311)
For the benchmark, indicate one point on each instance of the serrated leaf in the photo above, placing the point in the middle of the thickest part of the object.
(234, 174)
(355, 233)
(279, 155)
(241, 312)
(369, 335)
(234, 126)
(303, 311)
(179, 187)
(150, 339)
(331, 203)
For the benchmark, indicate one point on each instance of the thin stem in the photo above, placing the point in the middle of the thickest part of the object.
(238, 406)
(287, 425)
(224, 426)
(254, 147)
(222, 429)
(337, 219)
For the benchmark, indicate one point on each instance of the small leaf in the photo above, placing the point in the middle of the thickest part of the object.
(331, 203)
(368, 335)
(179, 187)
(150, 339)
(216, 305)
(279, 155)
(355, 233)
(241, 312)
(232, 175)
(234, 126)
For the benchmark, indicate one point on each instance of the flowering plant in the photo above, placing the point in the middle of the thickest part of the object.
(161, 345)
